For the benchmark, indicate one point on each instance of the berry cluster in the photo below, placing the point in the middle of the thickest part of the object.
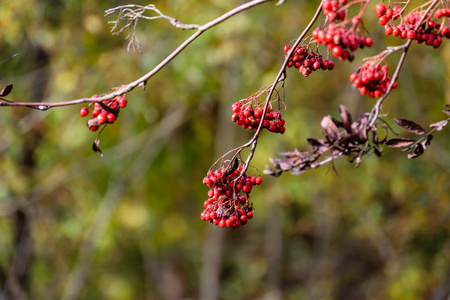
(372, 79)
(306, 62)
(341, 41)
(245, 115)
(332, 9)
(385, 14)
(442, 12)
(429, 32)
(228, 203)
(104, 112)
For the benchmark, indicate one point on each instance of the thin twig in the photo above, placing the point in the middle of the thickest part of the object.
(377, 108)
(279, 78)
(143, 80)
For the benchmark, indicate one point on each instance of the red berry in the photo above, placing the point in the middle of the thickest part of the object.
(247, 189)
(411, 34)
(362, 90)
(110, 118)
(222, 223)
(383, 20)
(101, 119)
(122, 101)
(96, 112)
(94, 128)
(84, 112)
(249, 215)
(380, 9)
(243, 219)
(336, 51)
(330, 65)
(388, 30)
(258, 180)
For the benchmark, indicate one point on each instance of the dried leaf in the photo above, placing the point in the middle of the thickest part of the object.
(362, 134)
(417, 151)
(233, 166)
(291, 153)
(410, 126)
(439, 125)
(346, 118)
(330, 128)
(318, 145)
(6, 90)
(446, 111)
(399, 142)
(285, 166)
(92, 122)
(378, 151)
(428, 141)
(95, 146)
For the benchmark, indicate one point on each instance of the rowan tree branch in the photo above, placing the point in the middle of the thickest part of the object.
(142, 81)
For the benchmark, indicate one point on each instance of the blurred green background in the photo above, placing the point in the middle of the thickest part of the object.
(74, 225)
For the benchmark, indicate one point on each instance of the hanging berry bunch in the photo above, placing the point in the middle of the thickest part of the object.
(386, 14)
(307, 61)
(105, 112)
(372, 78)
(228, 196)
(343, 39)
(430, 31)
(248, 113)
(333, 9)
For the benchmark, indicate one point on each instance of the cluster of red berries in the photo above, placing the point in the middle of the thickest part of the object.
(331, 9)
(442, 12)
(248, 117)
(385, 14)
(306, 62)
(429, 32)
(228, 203)
(104, 112)
(341, 41)
(372, 79)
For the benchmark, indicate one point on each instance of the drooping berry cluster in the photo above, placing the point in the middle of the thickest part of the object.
(332, 9)
(342, 41)
(228, 203)
(248, 114)
(104, 112)
(307, 61)
(442, 12)
(385, 14)
(372, 79)
(429, 31)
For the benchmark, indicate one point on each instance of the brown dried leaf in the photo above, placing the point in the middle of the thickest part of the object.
(92, 122)
(291, 153)
(330, 128)
(96, 147)
(6, 90)
(318, 145)
(399, 142)
(439, 125)
(410, 126)
(417, 151)
(346, 118)
(362, 134)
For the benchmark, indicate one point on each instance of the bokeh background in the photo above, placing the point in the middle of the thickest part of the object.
(74, 225)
